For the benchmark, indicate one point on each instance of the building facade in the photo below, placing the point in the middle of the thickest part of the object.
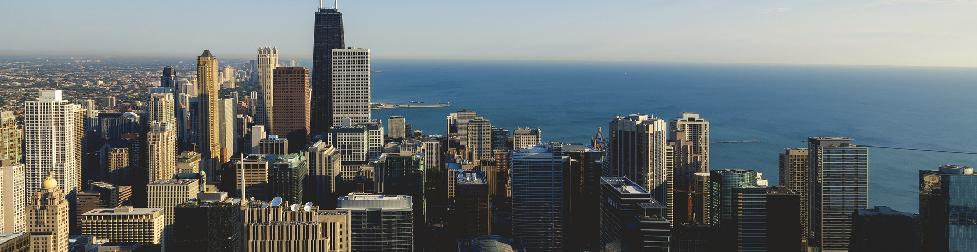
(47, 218)
(124, 224)
(350, 86)
(267, 62)
(161, 151)
(842, 188)
(209, 129)
(639, 151)
(52, 141)
(526, 137)
(292, 108)
(167, 194)
(537, 198)
(379, 223)
(793, 176)
(13, 197)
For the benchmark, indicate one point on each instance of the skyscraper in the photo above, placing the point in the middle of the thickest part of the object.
(842, 187)
(267, 62)
(350, 86)
(209, 120)
(12, 196)
(47, 217)
(161, 106)
(292, 106)
(10, 137)
(582, 188)
(526, 137)
(726, 182)
(694, 130)
(638, 151)
(226, 112)
(537, 198)
(946, 207)
(479, 139)
(52, 141)
(793, 176)
(286, 175)
(631, 220)
(784, 221)
(324, 169)
(328, 35)
(882, 229)
(380, 223)
(168, 78)
(212, 222)
(161, 144)
(472, 216)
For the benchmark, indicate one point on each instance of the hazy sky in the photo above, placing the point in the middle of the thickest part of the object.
(861, 32)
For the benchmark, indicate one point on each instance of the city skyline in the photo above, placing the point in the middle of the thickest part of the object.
(872, 32)
(152, 156)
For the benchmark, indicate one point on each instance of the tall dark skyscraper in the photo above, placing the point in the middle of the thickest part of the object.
(328, 36)
(168, 79)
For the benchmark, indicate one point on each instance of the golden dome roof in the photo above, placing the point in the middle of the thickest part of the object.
(49, 182)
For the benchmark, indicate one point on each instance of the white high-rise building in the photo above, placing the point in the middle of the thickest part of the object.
(161, 145)
(257, 133)
(12, 197)
(226, 112)
(350, 85)
(161, 105)
(267, 62)
(52, 140)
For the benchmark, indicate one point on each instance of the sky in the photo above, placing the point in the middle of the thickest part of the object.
(834, 32)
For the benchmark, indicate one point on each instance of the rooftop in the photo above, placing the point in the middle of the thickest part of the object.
(174, 182)
(361, 201)
(4, 237)
(124, 210)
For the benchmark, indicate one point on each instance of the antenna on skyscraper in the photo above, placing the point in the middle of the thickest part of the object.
(335, 4)
(320, 4)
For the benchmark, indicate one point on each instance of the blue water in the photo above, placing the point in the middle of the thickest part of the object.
(931, 108)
